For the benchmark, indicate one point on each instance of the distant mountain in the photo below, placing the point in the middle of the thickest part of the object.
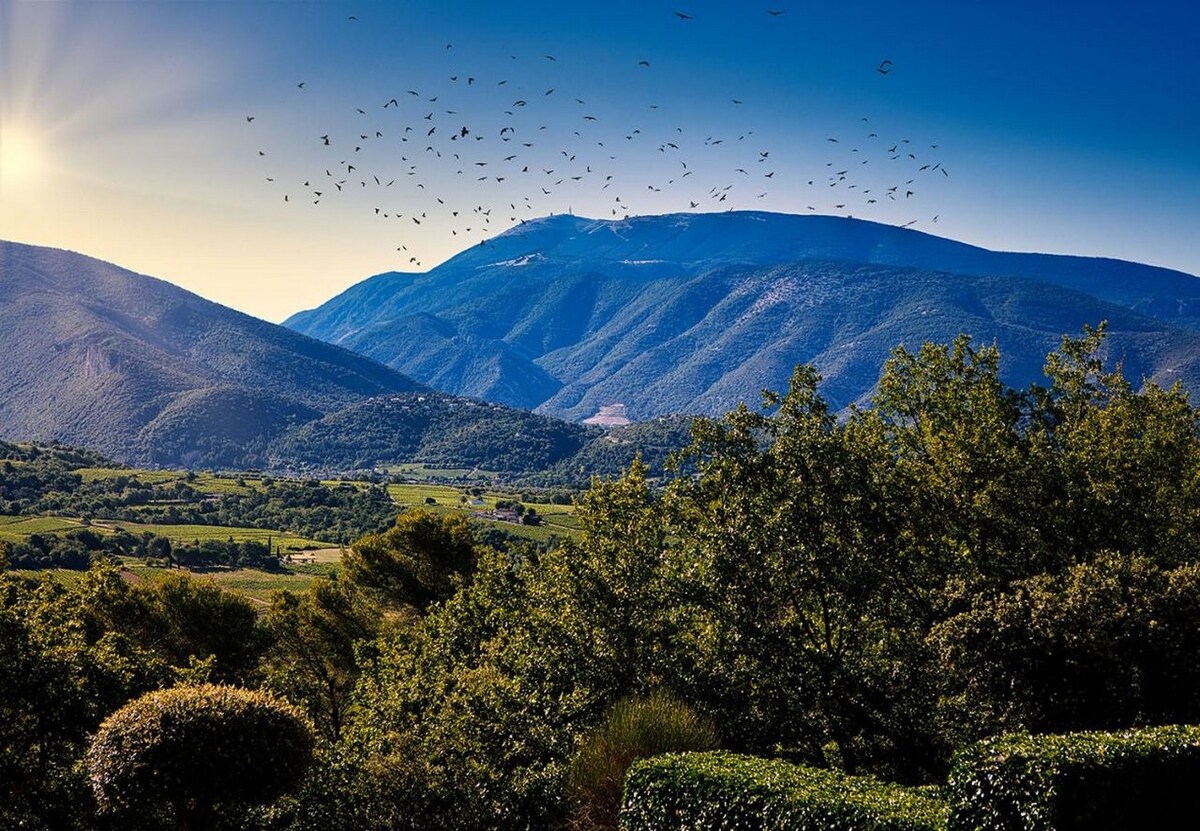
(137, 368)
(695, 312)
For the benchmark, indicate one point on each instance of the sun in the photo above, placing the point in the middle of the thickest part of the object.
(21, 159)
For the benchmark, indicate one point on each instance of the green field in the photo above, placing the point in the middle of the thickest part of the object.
(248, 582)
(62, 576)
(557, 520)
(17, 528)
(190, 533)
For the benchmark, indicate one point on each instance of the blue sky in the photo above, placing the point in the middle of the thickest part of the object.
(1066, 127)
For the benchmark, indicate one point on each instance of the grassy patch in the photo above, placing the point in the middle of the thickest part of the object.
(248, 582)
(18, 528)
(190, 533)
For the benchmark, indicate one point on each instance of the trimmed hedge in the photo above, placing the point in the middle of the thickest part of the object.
(696, 791)
(196, 747)
(1148, 778)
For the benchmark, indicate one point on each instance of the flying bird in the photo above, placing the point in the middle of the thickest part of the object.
(884, 67)
(683, 16)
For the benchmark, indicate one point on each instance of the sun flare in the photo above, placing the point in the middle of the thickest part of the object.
(21, 159)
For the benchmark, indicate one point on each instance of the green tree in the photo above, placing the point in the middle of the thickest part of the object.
(785, 556)
(1108, 644)
(314, 637)
(416, 561)
(59, 677)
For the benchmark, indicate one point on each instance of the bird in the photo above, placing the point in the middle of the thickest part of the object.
(249, 118)
(300, 85)
(683, 16)
(325, 139)
(774, 12)
(884, 67)
(643, 63)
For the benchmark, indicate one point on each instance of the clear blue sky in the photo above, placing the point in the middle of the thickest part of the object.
(1067, 127)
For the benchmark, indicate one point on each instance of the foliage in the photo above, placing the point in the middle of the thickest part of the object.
(314, 638)
(859, 593)
(724, 790)
(78, 549)
(190, 621)
(59, 676)
(612, 453)
(634, 728)
(415, 561)
(195, 748)
(335, 513)
(1107, 644)
(1070, 782)
(435, 429)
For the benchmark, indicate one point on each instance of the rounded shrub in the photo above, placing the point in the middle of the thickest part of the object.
(634, 728)
(196, 748)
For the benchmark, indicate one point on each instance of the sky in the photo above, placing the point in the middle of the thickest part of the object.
(186, 139)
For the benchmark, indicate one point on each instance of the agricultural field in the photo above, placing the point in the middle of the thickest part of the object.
(557, 520)
(18, 528)
(419, 471)
(285, 542)
(248, 582)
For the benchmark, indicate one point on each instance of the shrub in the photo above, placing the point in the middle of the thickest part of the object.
(634, 728)
(1097, 781)
(194, 748)
(729, 791)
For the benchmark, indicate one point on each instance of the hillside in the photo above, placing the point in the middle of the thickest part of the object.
(433, 429)
(693, 313)
(147, 373)
(143, 371)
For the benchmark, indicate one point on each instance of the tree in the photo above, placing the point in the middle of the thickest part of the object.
(793, 603)
(196, 749)
(59, 677)
(416, 561)
(314, 636)
(1108, 644)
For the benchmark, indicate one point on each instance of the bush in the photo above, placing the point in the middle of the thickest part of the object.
(1097, 781)
(728, 791)
(634, 729)
(194, 748)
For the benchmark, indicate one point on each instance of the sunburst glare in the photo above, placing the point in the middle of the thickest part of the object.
(22, 159)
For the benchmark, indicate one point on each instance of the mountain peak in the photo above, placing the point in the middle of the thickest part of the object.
(689, 312)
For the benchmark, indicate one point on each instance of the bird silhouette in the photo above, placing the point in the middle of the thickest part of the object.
(884, 67)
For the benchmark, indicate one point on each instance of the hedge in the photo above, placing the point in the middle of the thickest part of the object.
(1148, 778)
(701, 791)
(193, 747)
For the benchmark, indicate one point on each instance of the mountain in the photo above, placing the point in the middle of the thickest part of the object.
(141, 370)
(695, 312)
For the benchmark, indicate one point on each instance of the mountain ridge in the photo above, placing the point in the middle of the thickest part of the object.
(600, 306)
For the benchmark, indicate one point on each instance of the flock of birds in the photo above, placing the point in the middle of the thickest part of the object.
(525, 152)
